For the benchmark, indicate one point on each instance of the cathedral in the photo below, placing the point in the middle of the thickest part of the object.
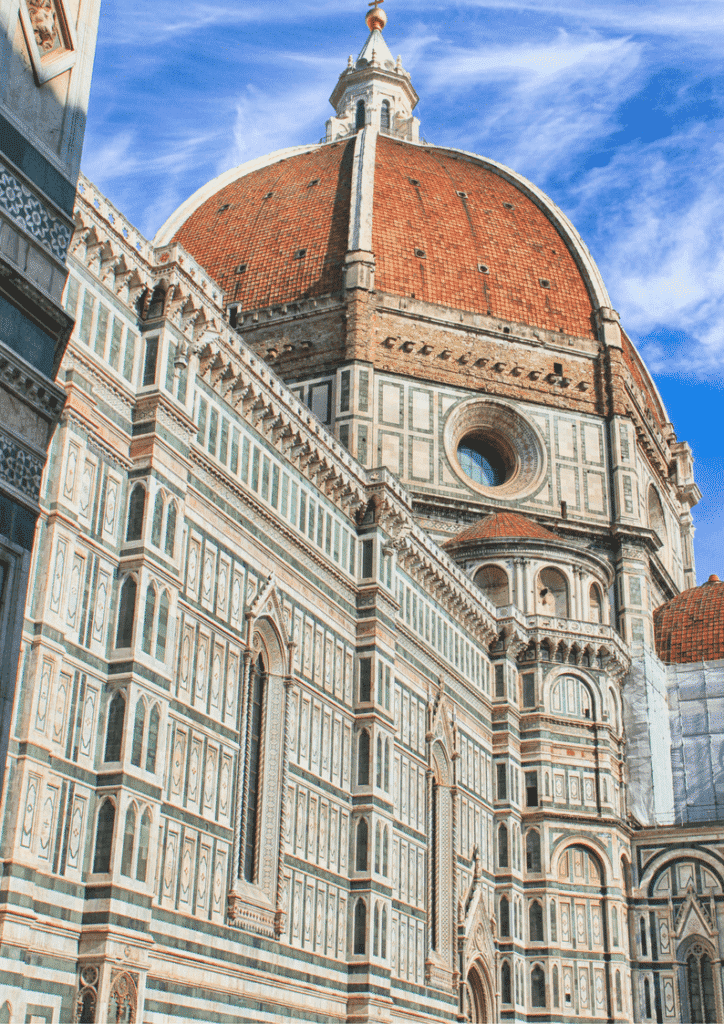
(363, 675)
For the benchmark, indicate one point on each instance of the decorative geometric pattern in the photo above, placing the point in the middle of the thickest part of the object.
(19, 468)
(28, 211)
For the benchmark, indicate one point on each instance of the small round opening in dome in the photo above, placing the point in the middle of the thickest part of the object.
(482, 461)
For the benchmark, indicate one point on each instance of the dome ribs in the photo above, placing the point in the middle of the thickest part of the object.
(690, 627)
(278, 233)
(460, 215)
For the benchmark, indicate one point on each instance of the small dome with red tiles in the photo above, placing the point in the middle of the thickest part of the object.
(690, 627)
(502, 525)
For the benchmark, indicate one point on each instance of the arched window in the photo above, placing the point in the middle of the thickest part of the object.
(363, 758)
(387, 767)
(157, 521)
(152, 745)
(150, 361)
(644, 941)
(143, 842)
(149, 614)
(156, 303)
(376, 930)
(700, 986)
(162, 627)
(360, 927)
(657, 521)
(504, 916)
(532, 850)
(556, 993)
(647, 1002)
(104, 837)
(378, 848)
(614, 925)
(493, 581)
(129, 839)
(170, 528)
(380, 762)
(114, 732)
(258, 679)
(595, 603)
(126, 613)
(503, 847)
(537, 987)
(138, 727)
(385, 116)
(383, 932)
(552, 593)
(360, 116)
(505, 989)
(552, 923)
(360, 863)
(535, 921)
(136, 506)
(619, 993)
(572, 698)
(385, 851)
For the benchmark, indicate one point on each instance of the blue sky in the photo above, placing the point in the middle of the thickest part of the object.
(616, 109)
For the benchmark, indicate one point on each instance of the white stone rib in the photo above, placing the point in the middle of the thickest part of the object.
(363, 184)
(166, 232)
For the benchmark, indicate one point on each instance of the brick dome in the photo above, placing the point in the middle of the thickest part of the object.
(448, 228)
(690, 627)
(502, 524)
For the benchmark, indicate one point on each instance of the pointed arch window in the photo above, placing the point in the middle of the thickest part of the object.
(104, 837)
(504, 917)
(171, 529)
(129, 839)
(114, 731)
(380, 761)
(556, 990)
(619, 993)
(503, 846)
(535, 921)
(126, 613)
(385, 116)
(360, 116)
(378, 848)
(700, 986)
(139, 725)
(360, 927)
(537, 987)
(152, 745)
(647, 1002)
(595, 603)
(506, 993)
(162, 627)
(136, 507)
(144, 837)
(552, 922)
(148, 617)
(532, 851)
(383, 932)
(258, 682)
(363, 758)
(157, 520)
(361, 845)
(385, 851)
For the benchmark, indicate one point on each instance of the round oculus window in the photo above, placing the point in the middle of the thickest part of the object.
(480, 459)
(494, 449)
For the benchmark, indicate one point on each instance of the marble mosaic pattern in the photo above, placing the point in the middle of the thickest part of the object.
(27, 211)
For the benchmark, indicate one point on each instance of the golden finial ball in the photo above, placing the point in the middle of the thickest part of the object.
(376, 18)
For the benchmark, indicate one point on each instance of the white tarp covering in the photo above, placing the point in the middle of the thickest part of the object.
(696, 706)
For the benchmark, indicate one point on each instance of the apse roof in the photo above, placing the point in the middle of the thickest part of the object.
(503, 525)
(690, 627)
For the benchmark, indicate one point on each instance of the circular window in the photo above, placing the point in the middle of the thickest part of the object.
(494, 449)
(481, 459)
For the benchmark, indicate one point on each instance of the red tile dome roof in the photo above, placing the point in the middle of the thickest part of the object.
(503, 524)
(448, 227)
(690, 627)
